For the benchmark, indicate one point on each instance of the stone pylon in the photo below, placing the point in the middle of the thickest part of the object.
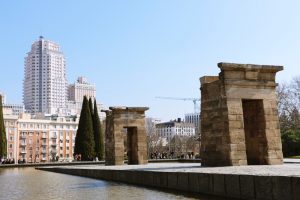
(239, 116)
(132, 120)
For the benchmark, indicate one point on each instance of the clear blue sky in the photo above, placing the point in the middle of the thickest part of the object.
(136, 50)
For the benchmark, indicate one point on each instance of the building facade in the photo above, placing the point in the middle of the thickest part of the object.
(170, 129)
(40, 140)
(45, 82)
(194, 118)
(81, 88)
(76, 92)
(14, 109)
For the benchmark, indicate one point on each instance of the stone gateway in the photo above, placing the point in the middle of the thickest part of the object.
(133, 120)
(239, 117)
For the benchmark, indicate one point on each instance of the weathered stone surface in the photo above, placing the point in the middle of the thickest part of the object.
(247, 187)
(232, 186)
(205, 183)
(183, 181)
(282, 188)
(295, 188)
(132, 119)
(172, 180)
(160, 179)
(263, 187)
(239, 117)
(219, 184)
(194, 183)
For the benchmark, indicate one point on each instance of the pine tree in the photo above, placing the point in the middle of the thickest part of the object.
(98, 134)
(3, 141)
(84, 141)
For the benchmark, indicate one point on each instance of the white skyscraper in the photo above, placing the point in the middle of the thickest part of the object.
(45, 83)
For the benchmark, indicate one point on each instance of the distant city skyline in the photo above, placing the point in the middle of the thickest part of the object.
(134, 51)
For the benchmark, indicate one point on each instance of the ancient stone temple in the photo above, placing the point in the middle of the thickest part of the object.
(239, 117)
(133, 120)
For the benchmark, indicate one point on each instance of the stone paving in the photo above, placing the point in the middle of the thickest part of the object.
(259, 170)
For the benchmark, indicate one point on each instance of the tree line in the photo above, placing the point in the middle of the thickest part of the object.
(89, 141)
(289, 116)
(3, 141)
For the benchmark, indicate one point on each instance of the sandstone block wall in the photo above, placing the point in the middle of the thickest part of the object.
(132, 119)
(239, 118)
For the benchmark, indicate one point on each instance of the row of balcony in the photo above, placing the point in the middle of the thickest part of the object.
(23, 144)
(37, 152)
(44, 136)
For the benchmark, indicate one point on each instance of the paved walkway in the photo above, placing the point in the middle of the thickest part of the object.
(291, 160)
(266, 170)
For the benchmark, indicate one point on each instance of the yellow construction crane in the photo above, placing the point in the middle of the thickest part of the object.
(194, 100)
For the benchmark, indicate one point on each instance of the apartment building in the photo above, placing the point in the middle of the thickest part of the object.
(177, 127)
(40, 140)
(15, 109)
(194, 118)
(11, 127)
(81, 88)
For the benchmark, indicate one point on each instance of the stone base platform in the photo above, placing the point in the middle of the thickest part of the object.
(240, 182)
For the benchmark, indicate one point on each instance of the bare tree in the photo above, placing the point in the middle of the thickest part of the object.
(289, 104)
(193, 145)
(154, 142)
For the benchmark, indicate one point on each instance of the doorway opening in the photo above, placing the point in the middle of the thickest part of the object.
(255, 133)
(132, 146)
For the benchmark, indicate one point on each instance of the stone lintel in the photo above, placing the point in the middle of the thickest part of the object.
(249, 67)
(107, 112)
(128, 109)
(208, 79)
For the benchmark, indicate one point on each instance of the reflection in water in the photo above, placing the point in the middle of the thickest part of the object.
(29, 183)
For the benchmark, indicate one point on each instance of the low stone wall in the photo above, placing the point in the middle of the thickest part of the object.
(92, 163)
(224, 185)
(51, 164)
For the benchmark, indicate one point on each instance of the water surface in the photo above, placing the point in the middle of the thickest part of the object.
(28, 183)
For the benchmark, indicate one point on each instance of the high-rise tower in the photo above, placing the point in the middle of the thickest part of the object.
(45, 83)
(81, 88)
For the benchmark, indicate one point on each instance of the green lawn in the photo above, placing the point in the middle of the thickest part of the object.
(294, 157)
